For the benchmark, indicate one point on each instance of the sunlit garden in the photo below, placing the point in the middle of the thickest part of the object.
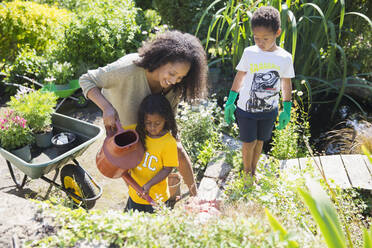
(55, 42)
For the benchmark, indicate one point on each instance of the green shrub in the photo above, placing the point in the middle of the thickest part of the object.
(28, 24)
(184, 15)
(72, 5)
(28, 64)
(200, 132)
(357, 41)
(176, 228)
(148, 20)
(101, 33)
(144, 4)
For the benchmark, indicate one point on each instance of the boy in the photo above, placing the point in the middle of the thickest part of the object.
(262, 70)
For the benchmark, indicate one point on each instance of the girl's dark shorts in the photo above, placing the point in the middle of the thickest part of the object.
(255, 126)
(131, 205)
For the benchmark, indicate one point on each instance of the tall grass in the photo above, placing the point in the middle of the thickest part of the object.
(311, 30)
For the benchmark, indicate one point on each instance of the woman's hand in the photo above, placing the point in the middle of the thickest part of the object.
(110, 117)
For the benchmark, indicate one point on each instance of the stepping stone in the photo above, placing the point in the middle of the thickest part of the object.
(218, 168)
(208, 189)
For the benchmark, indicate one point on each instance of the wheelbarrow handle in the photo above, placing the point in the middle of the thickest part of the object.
(30, 80)
(129, 180)
(18, 86)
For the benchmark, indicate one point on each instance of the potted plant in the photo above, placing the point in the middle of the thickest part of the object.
(60, 74)
(37, 108)
(15, 135)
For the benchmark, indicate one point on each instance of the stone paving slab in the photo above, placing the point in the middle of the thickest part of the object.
(218, 168)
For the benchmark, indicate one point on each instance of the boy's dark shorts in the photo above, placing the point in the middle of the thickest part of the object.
(255, 126)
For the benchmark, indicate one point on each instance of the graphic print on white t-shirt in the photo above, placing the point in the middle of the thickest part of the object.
(262, 82)
(264, 92)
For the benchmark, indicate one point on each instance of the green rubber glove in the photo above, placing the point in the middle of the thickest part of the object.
(285, 115)
(230, 107)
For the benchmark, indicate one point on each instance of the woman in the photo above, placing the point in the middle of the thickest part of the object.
(173, 63)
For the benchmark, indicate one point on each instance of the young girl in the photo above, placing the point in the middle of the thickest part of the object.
(157, 130)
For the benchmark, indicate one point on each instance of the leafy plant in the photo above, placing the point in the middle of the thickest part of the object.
(37, 107)
(288, 143)
(14, 131)
(200, 132)
(325, 216)
(61, 72)
(277, 227)
(367, 153)
(28, 64)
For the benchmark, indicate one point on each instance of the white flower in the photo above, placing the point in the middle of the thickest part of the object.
(300, 93)
(49, 79)
(303, 82)
(22, 91)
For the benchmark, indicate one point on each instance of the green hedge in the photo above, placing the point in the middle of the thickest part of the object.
(94, 34)
(184, 15)
(101, 34)
(28, 24)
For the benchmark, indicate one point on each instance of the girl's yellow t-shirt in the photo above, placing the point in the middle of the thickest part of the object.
(160, 152)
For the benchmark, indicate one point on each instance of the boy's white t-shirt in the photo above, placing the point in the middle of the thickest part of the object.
(261, 86)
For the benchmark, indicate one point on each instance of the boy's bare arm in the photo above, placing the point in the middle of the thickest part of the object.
(286, 89)
(157, 178)
(238, 81)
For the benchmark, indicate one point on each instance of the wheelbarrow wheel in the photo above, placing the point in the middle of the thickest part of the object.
(75, 180)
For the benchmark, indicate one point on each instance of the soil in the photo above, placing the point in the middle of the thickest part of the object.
(20, 219)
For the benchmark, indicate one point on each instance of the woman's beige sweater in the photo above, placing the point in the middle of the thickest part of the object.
(124, 85)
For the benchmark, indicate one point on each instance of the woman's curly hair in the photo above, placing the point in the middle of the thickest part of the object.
(156, 104)
(174, 46)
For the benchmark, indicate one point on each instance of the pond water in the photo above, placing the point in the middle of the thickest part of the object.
(329, 135)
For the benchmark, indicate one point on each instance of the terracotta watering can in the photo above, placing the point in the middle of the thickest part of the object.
(119, 153)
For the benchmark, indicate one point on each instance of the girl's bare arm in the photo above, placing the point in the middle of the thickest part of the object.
(157, 178)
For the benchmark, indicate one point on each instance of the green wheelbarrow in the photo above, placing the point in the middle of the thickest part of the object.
(75, 181)
(63, 91)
